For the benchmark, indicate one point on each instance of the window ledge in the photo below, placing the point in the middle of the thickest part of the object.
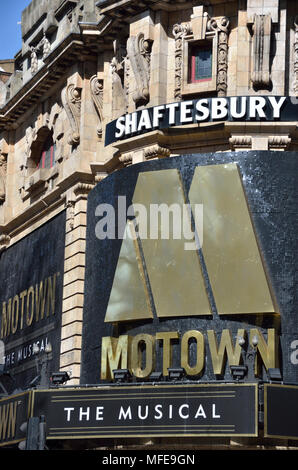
(38, 180)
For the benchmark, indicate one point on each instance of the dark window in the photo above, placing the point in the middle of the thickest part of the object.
(47, 158)
(200, 64)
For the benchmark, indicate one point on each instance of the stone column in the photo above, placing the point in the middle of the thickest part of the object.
(74, 276)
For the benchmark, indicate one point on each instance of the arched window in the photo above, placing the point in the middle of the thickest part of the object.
(47, 155)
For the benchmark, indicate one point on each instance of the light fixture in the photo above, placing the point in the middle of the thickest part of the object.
(274, 375)
(238, 372)
(155, 376)
(121, 375)
(59, 378)
(255, 340)
(176, 373)
(241, 340)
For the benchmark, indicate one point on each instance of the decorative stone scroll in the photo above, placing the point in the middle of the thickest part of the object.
(139, 54)
(96, 86)
(71, 99)
(156, 151)
(261, 51)
(3, 169)
(215, 29)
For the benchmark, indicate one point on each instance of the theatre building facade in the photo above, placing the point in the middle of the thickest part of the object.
(148, 226)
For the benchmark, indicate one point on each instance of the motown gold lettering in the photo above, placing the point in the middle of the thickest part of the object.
(267, 353)
(218, 354)
(166, 337)
(22, 297)
(199, 338)
(6, 319)
(140, 342)
(128, 353)
(8, 416)
(40, 299)
(20, 310)
(114, 355)
(30, 306)
(15, 314)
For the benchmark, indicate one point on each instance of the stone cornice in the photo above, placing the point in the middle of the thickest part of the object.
(66, 53)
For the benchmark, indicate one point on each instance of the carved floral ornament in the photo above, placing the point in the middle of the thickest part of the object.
(3, 169)
(295, 84)
(214, 28)
(71, 99)
(96, 86)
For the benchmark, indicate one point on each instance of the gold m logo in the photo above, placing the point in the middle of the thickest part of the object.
(159, 277)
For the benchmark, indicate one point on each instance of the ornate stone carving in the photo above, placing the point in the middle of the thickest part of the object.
(126, 159)
(156, 151)
(279, 142)
(34, 61)
(96, 86)
(261, 29)
(118, 67)
(46, 47)
(179, 32)
(139, 54)
(3, 169)
(242, 142)
(295, 83)
(3, 172)
(71, 99)
(4, 242)
(183, 32)
(221, 27)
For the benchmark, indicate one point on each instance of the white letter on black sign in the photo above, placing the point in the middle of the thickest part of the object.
(180, 411)
(257, 105)
(219, 108)
(84, 413)
(186, 112)
(157, 115)
(68, 410)
(120, 126)
(172, 107)
(203, 110)
(276, 105)
(144, 122)
(123, 414)
(233, 107)
(214, 415)
(130, 123)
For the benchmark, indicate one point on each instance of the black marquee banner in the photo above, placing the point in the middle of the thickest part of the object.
(237, 108)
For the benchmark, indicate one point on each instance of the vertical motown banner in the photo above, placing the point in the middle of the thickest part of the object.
(191, 263)
(31, 283)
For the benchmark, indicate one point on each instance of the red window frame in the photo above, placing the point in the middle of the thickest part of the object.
(192, 66)
(48, 146)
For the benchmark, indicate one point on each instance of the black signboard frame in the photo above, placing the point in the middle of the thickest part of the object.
(17, 412)
(85, 413)
(281, 411)
(31, 269)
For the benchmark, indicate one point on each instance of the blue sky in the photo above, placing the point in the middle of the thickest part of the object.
(10, 30)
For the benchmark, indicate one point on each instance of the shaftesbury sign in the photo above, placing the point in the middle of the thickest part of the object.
(136, 411)
(237, 108)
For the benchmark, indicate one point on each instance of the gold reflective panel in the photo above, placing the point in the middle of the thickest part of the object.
(129, 299)
(174, 272)
(229, 246)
